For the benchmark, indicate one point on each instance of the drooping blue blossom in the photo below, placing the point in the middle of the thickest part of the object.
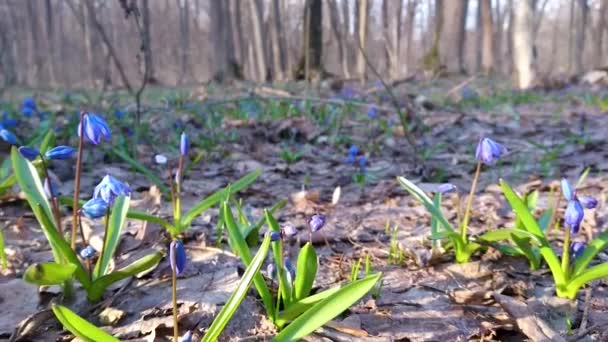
(28, 153)
(95, 208)
(576, 250)
(372, 113)
(275, 236)
(187, 337)
(28, 106)
(575, 209)
(109, 188)
(7, 121)
(177, 256)
(290, 270)
(488, 151)
(350, 159)
(88, 252)
(446, 188)
(60, 152)
(8, 136)
(95, 128)
(271, 271)
(316, 222)
(184, 144)
(362, 164)
(119, 114)
(353, 150)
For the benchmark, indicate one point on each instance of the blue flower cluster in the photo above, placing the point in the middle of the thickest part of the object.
(103, 197)
(353, 158)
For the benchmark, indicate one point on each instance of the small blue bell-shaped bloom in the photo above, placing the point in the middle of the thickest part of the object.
(362, 164)
(289, 231)
(95, 208)
(372, 112)
(28, 153)
(109, 188)
(275, 236)
(576, 250)
(187, 337)
(184, 144)
(574, 215)
(88, 252)
(271, 271)
(316, 222)
(177, 256)
(8, 136)
(60, 152)
(446, 188)
(488, 151)
(95, 128)
(588, 202)
(289, 269)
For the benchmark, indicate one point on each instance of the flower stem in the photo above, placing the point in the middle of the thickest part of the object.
(178, 190)
(174, 295)
(76, 205)
(103, 247)
(465, 221)
(566, 255)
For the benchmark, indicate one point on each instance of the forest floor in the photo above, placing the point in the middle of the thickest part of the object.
(424, 296)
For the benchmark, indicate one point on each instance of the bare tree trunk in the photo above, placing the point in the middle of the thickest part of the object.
(487, 54)
(523, 45)
(50, 37)
(580, 36)
(362, 11)
(409, 33)
(278, 47)
(184, 38)
(453, 35)
(258, 42)
(478, 37)
(147, 41)
(345, 39)
(509, 52)
(313, 20)
(498, 36)
(35, 43)
(571, 37)
(390, 20)
(340, 33)
(220, 35)
(237, 30)
(599, 45)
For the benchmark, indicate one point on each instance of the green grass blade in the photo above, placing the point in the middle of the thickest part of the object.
(506, 234)
(327, 309)
(426, 201)
(251, 232)
(240, 247)
(47, 142)
(141, 168)
(112, 238)
(140, 215)
(594, 273)
(224, 316)
(218, 196)
(143, 264)
(306, 271)
(48, 273)
(277, 252)
(3, 261)
(297, 308)
(80, 327)
(29, 181)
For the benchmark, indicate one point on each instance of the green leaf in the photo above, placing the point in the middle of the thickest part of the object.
(3, 261)
(426, 201)
(49, 273)
(224, 316)
(434, 222)
(306, 272)
(532, 226)
(327, 309)
(252, 231)
(112, 235)
(141, 168)
(594, 273)
(506, 234)
(47, 142)
(277, 252)
(80, 327)
(591, 250)
(528, 251)
(140, 215)
(216, 197)
(143, 264)
(297, 308)
(240, 247)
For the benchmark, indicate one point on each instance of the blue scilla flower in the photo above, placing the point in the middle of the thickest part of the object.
(362, 164)
(316, 222)
(8, 136)
(352, 154)
(489, 151)
(28, 153)
(290, 269)
(88, 252)
(289, 231)
(119, 114)
(95, 208)
(177, 256)
(7, 121)
(95, 128)
(109, 188)
(60, 152)
(372, 113)
(184, 144)
(575, 209)
(271, 271)
(446, 188)
(28, 106)
(275, 236)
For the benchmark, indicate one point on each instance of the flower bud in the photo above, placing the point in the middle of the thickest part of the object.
(28, 153)
(177, 256)
(60, 152)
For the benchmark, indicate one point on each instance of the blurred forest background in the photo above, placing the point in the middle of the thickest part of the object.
(93, 43)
